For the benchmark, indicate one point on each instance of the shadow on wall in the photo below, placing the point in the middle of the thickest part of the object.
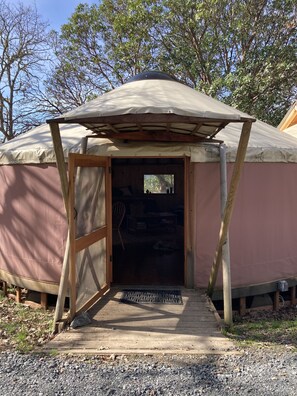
(32, 222)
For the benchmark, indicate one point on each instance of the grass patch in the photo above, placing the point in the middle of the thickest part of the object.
(23, 328)
(267, 331)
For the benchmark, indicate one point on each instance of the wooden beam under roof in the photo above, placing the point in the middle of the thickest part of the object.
(147, 118)
(154, 136)
(156, 132)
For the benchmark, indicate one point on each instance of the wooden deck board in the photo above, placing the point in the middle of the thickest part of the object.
(119, 328)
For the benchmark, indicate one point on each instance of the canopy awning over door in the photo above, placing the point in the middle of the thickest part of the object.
(154, 109)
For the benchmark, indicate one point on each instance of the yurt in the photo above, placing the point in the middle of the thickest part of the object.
(149, 154)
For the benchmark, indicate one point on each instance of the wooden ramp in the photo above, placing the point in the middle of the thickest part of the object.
(118, 328)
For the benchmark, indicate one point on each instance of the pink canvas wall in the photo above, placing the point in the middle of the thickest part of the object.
(32, 222)
(263, 230)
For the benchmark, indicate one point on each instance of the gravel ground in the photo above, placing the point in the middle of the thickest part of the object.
(252, 372)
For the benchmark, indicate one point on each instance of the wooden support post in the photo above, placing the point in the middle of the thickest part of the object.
(293, 295)
(108, 220)
(60, 160)
(276, 296)
(188, 261)
(244, 138)
(43, 300)
(4, 288)
(18, 296)
(242, 306)
(64, 282)
(226, 270)
(72, 237)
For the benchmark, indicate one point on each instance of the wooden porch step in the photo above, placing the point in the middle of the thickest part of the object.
(119, 328)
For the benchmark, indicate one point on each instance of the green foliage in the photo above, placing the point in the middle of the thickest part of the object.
(158, 184)
(241, 52)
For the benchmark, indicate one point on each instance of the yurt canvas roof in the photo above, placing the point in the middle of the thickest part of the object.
(144, 101)
(155, 97)
(266, 144)
(154, 110)
(36, 146)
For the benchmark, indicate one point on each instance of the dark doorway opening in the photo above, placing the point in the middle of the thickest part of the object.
(148, 245)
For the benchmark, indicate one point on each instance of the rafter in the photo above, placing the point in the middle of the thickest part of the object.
(153, 136)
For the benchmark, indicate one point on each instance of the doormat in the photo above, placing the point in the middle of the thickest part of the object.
(146, 296)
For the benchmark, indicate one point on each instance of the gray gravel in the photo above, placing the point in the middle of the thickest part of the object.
(256, 372)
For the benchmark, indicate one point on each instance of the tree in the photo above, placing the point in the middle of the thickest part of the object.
(99, 48)
(240, 52)
(23, 53)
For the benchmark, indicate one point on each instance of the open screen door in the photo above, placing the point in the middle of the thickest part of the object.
(90, 229)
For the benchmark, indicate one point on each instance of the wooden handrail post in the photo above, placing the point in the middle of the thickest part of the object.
(60, 161)
(242, 147)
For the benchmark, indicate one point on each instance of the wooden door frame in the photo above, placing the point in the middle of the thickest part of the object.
(187, 223)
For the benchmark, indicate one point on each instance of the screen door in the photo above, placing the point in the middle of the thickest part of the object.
(90, 229)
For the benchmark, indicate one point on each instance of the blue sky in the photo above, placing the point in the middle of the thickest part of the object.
(56, 12)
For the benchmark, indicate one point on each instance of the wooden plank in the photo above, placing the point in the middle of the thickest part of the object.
(85, 241)
(60, 160)
(188, 282)
(108, 221)
(144, 340)
(148, 352)
(293, 299)
(72, 236)
(244, 138)
(88, 161)
(18, 295)
(186, 307)
(4, 288)
(226, 269)
(254, 290)
(242, 306)
(154, 325)
(191, 228)
(192, 305)
(290, 118)
(155, 136)
(63, 286)
(151, 312)
(43, 300)
(120, 337)
(147, 118)
(276, 298)
(92, 300)
(129, 315)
